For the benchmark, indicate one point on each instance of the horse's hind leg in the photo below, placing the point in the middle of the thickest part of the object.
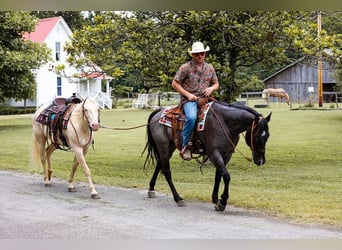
(151, 193)
(47, 174)
(167, 173)
(71, 187)
(165, 169)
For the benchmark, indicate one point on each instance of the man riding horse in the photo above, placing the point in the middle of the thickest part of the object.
(193, 79)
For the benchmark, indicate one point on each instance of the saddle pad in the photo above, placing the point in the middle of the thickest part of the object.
(165, 120)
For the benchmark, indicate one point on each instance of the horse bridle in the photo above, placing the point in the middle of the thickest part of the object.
(254, 125)
(91, 131)
(85, 114)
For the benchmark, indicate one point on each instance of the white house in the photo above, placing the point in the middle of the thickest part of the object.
(55, 32)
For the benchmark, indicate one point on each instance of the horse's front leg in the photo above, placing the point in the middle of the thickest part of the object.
(214, 196)
(221, 171)
(80, 154)
(71, 187)
(222, 203)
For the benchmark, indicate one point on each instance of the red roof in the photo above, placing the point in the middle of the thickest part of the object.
(96, 75)
(42, 30)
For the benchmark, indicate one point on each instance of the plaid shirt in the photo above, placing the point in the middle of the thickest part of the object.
(193, 80)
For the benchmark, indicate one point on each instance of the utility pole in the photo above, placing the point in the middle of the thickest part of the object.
(320, 73)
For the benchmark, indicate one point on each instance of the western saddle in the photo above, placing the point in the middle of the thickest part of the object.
(56, 117)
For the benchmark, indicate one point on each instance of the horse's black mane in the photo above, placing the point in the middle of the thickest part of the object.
(238, 106)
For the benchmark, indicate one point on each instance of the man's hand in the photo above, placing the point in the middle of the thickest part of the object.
(192, 97)
(208, 91)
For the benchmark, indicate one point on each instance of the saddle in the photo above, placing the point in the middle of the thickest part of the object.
(56, 118)
(177, 118)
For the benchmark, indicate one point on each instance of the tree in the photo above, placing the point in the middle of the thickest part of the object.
(152, 45)
(18, 58)
(332, 23)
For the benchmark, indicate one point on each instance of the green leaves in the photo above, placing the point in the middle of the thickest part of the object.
(18, 57)
(244, 45)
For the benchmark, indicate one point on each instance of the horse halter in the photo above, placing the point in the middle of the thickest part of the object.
(85, 114)
(90, 129)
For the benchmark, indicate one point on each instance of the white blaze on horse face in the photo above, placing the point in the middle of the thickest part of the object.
(92, 113)
(263, 134)
(93, 120)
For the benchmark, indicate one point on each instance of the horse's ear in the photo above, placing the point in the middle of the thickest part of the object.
(268, 118)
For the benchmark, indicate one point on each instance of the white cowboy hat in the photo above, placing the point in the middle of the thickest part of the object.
(198, 47)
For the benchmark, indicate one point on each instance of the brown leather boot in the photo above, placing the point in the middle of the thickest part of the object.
(185, 154)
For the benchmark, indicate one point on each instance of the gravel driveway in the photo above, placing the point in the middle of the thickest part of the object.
(28, 210)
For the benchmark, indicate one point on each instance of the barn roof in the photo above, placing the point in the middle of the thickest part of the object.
(42, 29)
(283, 69)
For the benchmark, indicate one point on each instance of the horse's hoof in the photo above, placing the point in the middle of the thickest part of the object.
(181, 203)
(219, 206)
(48, 184)
(151, 194)
(72, 189)
(95, 196)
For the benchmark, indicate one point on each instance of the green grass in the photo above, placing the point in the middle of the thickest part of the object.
(301, 179)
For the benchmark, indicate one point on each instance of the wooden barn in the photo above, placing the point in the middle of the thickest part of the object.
(300, 80)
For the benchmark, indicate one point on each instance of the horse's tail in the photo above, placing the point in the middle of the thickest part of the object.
(151, 146)
(38, 141)
(287, 97)
(35, 152)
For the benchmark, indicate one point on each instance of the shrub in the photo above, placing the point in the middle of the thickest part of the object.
(16, 110)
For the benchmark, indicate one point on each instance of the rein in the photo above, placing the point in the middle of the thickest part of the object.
(252, 130)
(77, 137)
(227, 136)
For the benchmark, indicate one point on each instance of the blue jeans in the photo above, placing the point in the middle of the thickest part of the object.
(190, 111)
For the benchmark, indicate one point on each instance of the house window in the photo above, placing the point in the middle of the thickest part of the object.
(58, 51)
(59, 86)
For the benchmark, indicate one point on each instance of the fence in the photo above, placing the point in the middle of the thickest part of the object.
(156, 100)
(258, 99)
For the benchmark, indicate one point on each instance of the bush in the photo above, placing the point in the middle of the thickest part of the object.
(16, 111)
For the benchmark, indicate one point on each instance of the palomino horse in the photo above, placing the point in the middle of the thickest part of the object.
(78, 134)
(280, 93)
(219, 138)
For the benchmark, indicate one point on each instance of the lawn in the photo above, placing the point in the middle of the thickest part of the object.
(301, 179)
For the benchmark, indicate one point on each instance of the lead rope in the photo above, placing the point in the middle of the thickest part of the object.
(143, 125)
(130, 128)
(225, 133)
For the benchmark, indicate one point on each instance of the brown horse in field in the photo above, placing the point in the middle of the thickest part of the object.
(74, 131)
(280, 93)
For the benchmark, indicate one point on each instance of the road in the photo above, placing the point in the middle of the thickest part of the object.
(28, 210)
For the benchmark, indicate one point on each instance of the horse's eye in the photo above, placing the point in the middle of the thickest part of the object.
(263, 134)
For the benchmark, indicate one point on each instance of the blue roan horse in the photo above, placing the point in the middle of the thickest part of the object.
(223, 125)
